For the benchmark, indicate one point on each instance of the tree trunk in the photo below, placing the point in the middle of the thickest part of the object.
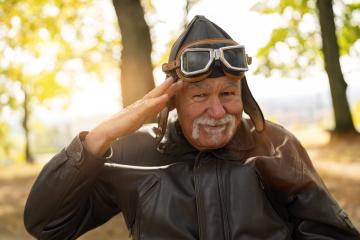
(28, 156)
(136, 67)
(330, 48)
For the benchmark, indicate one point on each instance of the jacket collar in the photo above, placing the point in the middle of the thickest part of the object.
(175, 143)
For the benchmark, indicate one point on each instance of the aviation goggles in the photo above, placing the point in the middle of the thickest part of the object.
(194, 63)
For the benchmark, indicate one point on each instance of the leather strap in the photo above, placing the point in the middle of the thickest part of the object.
(166, 67)
(205, 41)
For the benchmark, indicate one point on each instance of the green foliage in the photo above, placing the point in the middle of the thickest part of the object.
(350, 31)
(4, 141)
(165, 56)
(41, 44)
(8, 145)
(295, 45)
(356, 114)
(148, 6)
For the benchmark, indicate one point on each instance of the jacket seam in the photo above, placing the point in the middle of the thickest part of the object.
(197, 196)
(223, 207)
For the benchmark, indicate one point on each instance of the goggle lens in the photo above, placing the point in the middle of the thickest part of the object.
(193, 61)
(235, 57)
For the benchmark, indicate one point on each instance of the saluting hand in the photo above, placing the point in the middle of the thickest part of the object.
(131, 118)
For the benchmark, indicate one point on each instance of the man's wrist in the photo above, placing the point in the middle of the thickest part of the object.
(97, 143)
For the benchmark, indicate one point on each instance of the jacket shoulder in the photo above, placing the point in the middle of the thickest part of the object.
(277, 133)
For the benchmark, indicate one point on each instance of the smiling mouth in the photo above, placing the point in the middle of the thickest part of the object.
(214, 129)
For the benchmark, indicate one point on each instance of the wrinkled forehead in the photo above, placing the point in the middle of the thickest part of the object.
(210, 83)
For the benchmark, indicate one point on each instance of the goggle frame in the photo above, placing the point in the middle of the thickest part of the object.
(215, 54)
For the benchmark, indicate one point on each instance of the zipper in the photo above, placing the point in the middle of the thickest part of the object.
(223, 206)
(345, 218)
(198, 204)
(260, 181)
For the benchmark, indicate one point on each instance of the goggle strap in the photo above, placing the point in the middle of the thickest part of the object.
(167, 67)
(205, 41)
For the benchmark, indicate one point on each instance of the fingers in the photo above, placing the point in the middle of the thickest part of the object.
(153, 106)
(174, 88)
(157, 91)
(135, 115)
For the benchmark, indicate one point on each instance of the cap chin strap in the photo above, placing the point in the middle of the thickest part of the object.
(251, 107)
(160, 130)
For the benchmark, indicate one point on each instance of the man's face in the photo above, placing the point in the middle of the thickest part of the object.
(209, 111)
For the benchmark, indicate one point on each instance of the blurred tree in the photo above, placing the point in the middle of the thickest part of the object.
(293, 48)
(5, 141)
(39, 41)
(136, 67)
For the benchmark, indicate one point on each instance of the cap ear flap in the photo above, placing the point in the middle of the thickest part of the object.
(162, 120)
(251, 107)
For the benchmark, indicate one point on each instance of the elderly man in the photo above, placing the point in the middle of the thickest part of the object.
(208, 174)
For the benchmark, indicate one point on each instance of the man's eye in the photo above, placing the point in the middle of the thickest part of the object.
(200, 96)
(226, 94)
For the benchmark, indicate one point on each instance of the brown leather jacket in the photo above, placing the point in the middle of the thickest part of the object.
(259, 186)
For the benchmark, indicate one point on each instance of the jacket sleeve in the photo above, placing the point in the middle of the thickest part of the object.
(68, 198)
(298, 194)
(315, 212)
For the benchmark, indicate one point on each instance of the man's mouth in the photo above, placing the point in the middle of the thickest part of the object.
(214, 129)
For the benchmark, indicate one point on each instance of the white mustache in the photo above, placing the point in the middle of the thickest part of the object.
(204, 120)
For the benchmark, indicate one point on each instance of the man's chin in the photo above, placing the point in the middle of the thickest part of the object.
(208, 144)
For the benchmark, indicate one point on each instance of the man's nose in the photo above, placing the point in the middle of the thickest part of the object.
(215, 109)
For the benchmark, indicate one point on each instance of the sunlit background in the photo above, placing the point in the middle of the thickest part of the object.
(90, 53)
(64, 58)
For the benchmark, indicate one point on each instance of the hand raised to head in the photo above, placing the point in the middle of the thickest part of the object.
(131, 118)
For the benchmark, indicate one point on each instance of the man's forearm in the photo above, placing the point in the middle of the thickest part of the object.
(97, 141)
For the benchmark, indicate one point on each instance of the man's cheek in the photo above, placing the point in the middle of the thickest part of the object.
(234, 107)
